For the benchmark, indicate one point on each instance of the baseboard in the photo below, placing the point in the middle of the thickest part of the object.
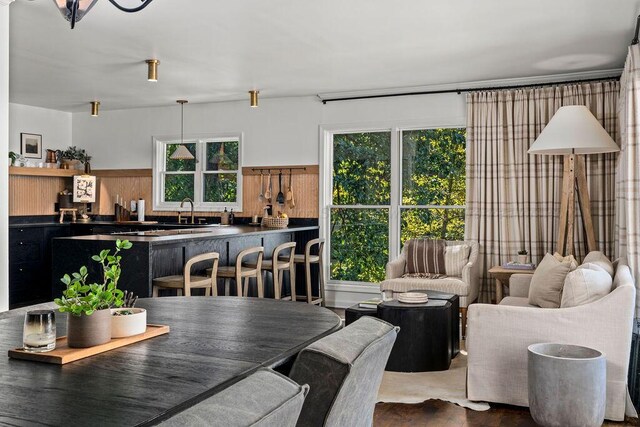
(344, 296)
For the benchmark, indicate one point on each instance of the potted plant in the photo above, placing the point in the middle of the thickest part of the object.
(73, 156)
(522, 256)
(128, 320)
(13, 156)
(88, 305)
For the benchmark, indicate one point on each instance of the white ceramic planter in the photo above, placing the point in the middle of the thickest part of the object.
(522, 259)
(130, 324)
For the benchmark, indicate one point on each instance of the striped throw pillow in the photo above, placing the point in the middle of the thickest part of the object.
(455, 258)
(425, 256)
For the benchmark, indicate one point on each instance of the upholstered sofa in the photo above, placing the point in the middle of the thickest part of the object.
(498, 337)
(465, 285)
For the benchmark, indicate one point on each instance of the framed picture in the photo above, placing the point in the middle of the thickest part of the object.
(31, 145)
(84, 189)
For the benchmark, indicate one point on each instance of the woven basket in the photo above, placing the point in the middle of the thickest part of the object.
(273, 222)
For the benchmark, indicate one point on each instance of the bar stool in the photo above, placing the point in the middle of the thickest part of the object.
(307, 259)
(285, 262)
(184, 283)
(239, 272)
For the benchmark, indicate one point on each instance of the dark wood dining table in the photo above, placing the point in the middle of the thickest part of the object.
(213, 343)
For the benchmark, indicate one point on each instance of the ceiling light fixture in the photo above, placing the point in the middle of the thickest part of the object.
(74, 10)
(182, 152)
(152, 72)
(95, 106)
(253, 94)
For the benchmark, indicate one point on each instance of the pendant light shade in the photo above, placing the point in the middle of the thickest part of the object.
(182, 152)
(253, 98)
(95, 106)
(152, 72)
(74, 10)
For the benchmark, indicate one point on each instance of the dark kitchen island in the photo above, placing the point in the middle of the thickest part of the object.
(158, 253)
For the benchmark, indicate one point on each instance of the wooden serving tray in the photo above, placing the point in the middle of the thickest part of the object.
(63, 354)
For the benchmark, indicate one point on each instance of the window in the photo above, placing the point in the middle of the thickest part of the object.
(388, 186)
(213, 179)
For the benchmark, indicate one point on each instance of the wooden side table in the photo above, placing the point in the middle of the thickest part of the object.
(502, 276)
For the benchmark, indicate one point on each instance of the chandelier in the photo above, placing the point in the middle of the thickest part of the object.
(74, 10)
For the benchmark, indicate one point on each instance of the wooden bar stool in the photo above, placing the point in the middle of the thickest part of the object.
(284, 262)
(183, 284)
(239, 272)
(307, 259)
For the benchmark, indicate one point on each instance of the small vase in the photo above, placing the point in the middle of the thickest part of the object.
(522, 259)
(129, 324)
(87, 168)
(87, 331)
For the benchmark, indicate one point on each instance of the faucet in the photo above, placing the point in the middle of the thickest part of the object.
(186, 199)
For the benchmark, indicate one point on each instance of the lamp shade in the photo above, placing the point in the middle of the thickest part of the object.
(573, 130)
(182, 153)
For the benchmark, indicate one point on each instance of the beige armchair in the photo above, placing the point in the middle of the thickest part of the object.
(498, 337)
(466, 286)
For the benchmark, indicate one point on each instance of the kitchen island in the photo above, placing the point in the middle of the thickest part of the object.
(157, 253)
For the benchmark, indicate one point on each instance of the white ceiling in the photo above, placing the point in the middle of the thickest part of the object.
(212, 50)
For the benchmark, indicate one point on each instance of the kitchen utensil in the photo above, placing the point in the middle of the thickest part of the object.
(280, 196)
(289, 194)
(267, 194)
(261, 196)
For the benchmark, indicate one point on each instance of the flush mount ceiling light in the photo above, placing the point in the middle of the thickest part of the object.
(74, 10)
(95, 106)
(253, 96)
(152, 72)
(182, 152)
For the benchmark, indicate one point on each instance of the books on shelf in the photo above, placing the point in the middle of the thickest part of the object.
(512, 265)
(370, 303)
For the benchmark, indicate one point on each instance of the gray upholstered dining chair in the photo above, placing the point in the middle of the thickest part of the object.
(344, 371)
(263, 399)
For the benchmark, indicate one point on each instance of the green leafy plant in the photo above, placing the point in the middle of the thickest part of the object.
(523, 252)
(13, 156)
(74, 153)
(82, 298)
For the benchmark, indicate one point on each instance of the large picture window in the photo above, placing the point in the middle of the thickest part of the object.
(212, 179)
(388, 186)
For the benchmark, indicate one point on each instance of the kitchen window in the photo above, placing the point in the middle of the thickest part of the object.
(384, 186)
(212, 179)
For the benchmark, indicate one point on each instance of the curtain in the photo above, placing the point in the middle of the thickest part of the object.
(513, 198)
(628, 173)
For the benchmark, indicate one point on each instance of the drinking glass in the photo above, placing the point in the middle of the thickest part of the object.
(39, 334)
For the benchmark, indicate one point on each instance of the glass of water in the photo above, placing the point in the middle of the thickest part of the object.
(39, 334)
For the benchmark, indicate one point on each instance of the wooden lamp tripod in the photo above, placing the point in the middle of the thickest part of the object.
(574, 132)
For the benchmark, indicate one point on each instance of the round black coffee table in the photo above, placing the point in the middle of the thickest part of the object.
(425, 339)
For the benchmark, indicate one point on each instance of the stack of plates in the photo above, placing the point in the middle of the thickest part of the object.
(413, 298)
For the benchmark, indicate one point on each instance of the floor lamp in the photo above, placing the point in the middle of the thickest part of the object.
(574, 132)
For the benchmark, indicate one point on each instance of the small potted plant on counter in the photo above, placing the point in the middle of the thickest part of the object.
(522, 256)
(89, 305)
(128, 320)
(72, 157)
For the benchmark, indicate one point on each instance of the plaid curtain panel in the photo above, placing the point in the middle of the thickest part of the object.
(425, 258)
(513, 198)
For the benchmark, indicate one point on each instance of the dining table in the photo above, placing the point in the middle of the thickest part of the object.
(213, 343)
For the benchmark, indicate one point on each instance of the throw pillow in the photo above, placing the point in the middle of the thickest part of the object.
(547, 281)
(598, 258)
(586, 284)
(570, 258)
(425, 256)
(455, 258)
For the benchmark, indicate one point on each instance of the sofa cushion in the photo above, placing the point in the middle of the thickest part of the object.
(517, 302)
(586, 284)
(570, 258)
(547, 281)
(451, 285)
(597, 257)
(425, 256)
(455, 258)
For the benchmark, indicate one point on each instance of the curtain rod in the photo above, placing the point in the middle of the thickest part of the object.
(635, 37)
(474, 89)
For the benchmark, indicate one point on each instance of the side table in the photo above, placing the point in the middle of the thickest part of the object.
(502, 276)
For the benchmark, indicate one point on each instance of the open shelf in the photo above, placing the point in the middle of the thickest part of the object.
(15, 170)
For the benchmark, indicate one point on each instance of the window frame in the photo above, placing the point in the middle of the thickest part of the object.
(199, 205)
(326, 133)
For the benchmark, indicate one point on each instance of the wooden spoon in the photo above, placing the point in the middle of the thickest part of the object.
(267, 194)
(261, 196)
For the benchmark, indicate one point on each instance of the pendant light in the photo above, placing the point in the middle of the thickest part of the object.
(95, 106)
(253, 98)
(152, 71)
(182, 152)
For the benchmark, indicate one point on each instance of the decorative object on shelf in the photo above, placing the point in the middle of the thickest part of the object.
(182, 152)
(13, 157)
(574, 132)
(31, 145)
(39, 333)
(74, 10)
(65, 199)
(72, 157)
(88, 305)
(523, 255)
(95, 107)
(152, 69)
(413, 298)
(84, 189)
(52, 156)
(253, 98)
(280, 221)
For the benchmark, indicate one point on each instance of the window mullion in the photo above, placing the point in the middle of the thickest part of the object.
(396, 185)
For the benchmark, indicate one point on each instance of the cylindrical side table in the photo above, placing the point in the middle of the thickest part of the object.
(567, 385)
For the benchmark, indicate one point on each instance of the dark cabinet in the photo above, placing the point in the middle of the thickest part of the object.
(30, 263)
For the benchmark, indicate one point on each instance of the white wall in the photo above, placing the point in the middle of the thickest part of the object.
(280, 132)
(53, 125)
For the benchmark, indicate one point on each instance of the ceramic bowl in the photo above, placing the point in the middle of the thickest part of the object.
(128, 325)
